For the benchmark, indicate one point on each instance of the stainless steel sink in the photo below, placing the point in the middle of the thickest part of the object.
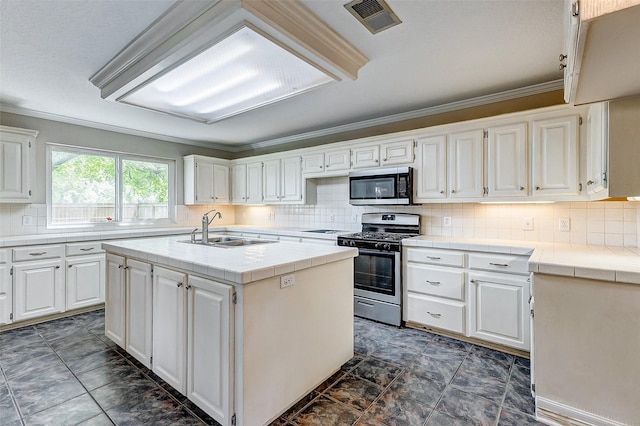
(227, 242)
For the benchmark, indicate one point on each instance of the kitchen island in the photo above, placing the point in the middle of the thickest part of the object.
(243, 331)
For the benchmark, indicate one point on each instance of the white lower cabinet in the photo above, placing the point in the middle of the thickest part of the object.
(479, 295)
(115, 297)
(210, 354)
(498, 309)
(6, 288)
(138, 301)
(38, 288)
(170, 327)
(85, 281)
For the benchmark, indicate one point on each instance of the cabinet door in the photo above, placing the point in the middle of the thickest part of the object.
(507, 161)
(15, 162)
(313, 163)
(220, 183)
(239, 184)
(400, 152)
(170, 327)
(6, 288)
(366, 156)
(430, 173)
(498, 309)
(39, 289)
(555, 156)
(465, 164)
(139, 311)
(597, 143)
(271, 180)
(210, 354)
(204, 182)
(85, 281)
(337, 160)
(115, 298)
(254, 182)
(291, 179)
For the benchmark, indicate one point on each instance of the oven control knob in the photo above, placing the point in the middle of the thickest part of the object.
(352, 243)
(378, 246)
(387, 247)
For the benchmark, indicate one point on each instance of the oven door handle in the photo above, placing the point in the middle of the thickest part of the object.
(377, 252)
(369, 305)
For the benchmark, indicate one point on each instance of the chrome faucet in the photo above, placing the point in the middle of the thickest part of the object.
(205, 224)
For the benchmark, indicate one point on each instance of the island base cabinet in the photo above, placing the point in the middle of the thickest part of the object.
(6, 288)
(497, 309)
(114, 307)
(139, 303)
(169, 327)
(39, 289)
(210, 354)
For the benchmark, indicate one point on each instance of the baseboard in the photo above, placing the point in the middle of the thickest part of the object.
(558, 414)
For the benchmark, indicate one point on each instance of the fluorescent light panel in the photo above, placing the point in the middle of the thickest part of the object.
(243, 71)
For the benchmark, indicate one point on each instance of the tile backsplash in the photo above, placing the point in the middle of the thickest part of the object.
(611, 223)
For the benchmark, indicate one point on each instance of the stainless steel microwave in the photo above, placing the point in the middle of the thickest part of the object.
(389, 186)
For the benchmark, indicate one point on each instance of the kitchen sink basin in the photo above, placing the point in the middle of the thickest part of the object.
(227, 242)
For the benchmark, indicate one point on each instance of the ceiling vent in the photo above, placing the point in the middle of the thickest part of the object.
(375, 15)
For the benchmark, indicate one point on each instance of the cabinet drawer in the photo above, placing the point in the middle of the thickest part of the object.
(436, 257)
(436, 281)
(37, 252)
(76, 249)
(434, 312)
(5, 256)
(500, 263)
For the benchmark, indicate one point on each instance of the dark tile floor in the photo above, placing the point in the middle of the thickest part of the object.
(66, 372)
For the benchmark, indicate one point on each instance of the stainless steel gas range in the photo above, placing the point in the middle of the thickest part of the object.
(378, 267)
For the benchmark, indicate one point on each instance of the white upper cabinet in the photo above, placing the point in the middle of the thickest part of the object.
(337, 160)
(399, 152)
(17, 153)
(465, 164)
(507, 160)
(254, 182)
(365, 156)
(430, 175)
(239, 184)
(313, 163)
(597, 143)
(206, 180)
(282, 180)
(555, 156)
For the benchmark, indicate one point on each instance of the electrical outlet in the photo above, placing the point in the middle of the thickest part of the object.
(564, 224)
(186, 216)
(27, 220)
(287, 281)
(332, 218)
(527, 224)
(354, 218)
(446, 221)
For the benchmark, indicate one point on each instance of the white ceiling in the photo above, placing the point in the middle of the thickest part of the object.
(444, 51)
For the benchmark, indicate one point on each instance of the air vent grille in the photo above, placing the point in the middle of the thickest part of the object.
(375, 15)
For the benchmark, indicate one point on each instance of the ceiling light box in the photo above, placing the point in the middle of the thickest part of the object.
(207, 61)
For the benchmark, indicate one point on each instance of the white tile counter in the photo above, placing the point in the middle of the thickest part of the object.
(239, 265)
(616, 264)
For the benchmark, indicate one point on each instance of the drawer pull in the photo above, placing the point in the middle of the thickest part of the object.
(40, 253)
(433, 282)
(433, 258)
(87, 249)
(503, 265)
(179, 285)
(365, 304)
(57, 266)
(434, 314)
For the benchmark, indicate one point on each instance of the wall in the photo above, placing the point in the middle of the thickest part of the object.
(611, 223)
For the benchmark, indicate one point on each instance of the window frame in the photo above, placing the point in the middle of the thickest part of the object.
(119, 157)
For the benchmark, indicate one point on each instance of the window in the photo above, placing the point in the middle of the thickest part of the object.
(91, 187)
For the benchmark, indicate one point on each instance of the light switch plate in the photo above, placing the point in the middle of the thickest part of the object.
(27, 220)
(527, 224)
(446, 221)
(564, 224)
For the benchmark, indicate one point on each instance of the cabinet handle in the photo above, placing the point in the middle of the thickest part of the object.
(434, 314)
(453, 191)
(375, 161)
(120, 266)
(70, 266)
(58, 267)
(188, 287)
(179, 285)
(433, 258)
(472, 281)
(384, 159)
(538, 188)
(590, 182)
(504, 265)
(87, 249)
(433, 282)
(40, 253)
(442, 192)
(522, 188)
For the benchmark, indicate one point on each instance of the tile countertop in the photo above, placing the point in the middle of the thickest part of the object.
(239, 265)
(616, 264)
